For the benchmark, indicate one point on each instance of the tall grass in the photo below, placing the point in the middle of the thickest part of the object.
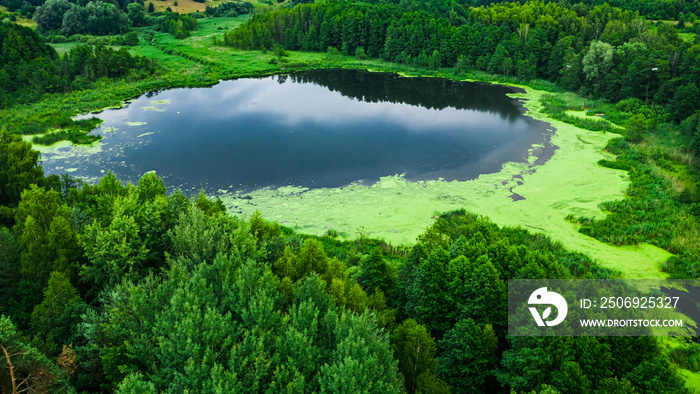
(557, 105)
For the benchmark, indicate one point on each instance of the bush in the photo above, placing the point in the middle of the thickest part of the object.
(56, 39)
(637, 127)
(131, 39)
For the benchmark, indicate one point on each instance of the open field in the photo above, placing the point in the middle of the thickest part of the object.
(65, 47)
(187, 6)
(183, 6)
(21, 20)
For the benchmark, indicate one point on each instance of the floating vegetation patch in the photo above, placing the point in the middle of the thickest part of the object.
(398, 210)
(135, 123)
(152, 108)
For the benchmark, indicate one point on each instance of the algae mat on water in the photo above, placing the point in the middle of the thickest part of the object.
(398, 210)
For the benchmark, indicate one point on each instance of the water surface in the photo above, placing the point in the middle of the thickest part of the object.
(324, 128)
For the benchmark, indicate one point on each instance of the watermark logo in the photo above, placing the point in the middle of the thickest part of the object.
(543, 297)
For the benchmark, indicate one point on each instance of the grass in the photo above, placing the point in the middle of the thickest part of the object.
(65, 47)
(75, 137)
(687, 37)
(21, 20)
(187, 6)
(183, 6)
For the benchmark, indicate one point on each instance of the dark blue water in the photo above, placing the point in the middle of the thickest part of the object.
(324, 128)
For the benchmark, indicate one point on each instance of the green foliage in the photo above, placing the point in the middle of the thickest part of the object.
(557, 105)
(465, 358)
(603, 51)
(615, 386)
(50, 243)
(95, 18)
(263, 230)
(176, 24)
(27, 65)
(637, 126)
(131, 239)
(74, 136)
(18, 170)
(32, 370)
(131, 38)
(212, 315)
(217, 317)
(231, 9)
(115, 251)
(655, 376)
(651, 213)
(198, 237)
(29, 68)
(58, 314)
(184, 299)
(686, 357)
(135, 383)
(9, 269)
(375, 273)
(351, 368)
(684, 102)
(149, 188)
(414, 349)
(310, 259)
(210, 208)
(597, 61)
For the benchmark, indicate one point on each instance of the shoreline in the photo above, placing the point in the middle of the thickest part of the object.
(489, 194)
(379, 208)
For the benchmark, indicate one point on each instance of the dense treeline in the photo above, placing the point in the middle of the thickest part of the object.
(178, 25)
(29, 68)
(606, 52)
(424, 92)
(231, 9)
(27, 64)
(68, 18)
(28, 7)
(653, 9)
(110, 287)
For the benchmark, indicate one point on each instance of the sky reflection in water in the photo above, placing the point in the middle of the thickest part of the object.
(324, 128)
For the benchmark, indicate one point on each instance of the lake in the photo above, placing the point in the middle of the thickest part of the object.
(316, 129)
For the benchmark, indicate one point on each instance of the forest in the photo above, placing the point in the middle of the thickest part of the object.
(31, 68)
(117, 287)
(132, 290)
